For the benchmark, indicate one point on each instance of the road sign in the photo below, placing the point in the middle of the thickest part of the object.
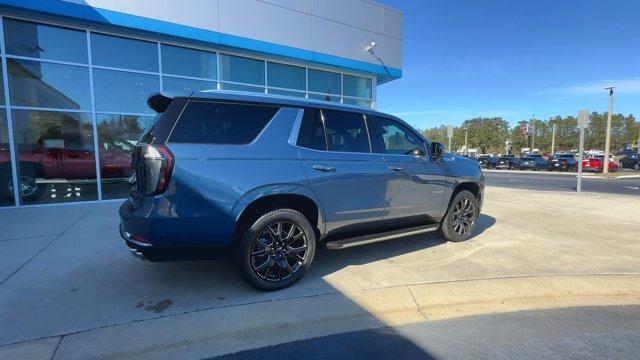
(450, 131)
(583, 118)
(583, 122)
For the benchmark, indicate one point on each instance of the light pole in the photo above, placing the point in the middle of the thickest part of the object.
(607, 141)
(553, 139)
(466, 148)
(533, 132)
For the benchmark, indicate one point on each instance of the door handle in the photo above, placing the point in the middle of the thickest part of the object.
(396, 167)
(324, 168)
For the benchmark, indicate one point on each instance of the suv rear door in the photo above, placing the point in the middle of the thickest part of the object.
(346, 177)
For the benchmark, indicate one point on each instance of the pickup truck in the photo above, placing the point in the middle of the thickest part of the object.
(69, 156)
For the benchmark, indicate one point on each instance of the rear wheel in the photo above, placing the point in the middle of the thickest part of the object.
(276, 250)
(29, 189)
(460, 220)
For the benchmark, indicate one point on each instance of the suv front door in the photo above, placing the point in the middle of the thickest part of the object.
(346, 177)
(416, 182)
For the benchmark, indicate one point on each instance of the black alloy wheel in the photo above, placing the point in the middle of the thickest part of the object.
(279, 251)
(276, 249)
(464, 216)
(461, 218)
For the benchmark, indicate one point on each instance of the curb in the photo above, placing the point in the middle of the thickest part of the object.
(537, 172)
(227, 330)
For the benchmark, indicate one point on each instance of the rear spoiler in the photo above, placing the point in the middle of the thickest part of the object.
(159, 102)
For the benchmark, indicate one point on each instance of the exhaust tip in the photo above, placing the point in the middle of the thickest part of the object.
(137, 254)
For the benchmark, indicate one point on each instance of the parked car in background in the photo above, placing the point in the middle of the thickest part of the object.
(630, 161)
(528, 163)
(507, 162)
(596, 164)
(562, 162)
(321, 174)
(60, 154)
(487, 161)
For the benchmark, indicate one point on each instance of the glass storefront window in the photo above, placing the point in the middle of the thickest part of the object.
(188, 62)
(324, 97)
(236, 87)
(357, 86)
(286, 76)
(324, 82)
(286, 93)
(6, 174)
(241, 69)
(2, 100)
(357, 102)
(56, 154)
(34, 40)
(119, 52)
(117, 135)
(187, 85)
(125, 92)
(41, 84)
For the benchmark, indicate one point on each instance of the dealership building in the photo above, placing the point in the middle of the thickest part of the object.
(76, 75)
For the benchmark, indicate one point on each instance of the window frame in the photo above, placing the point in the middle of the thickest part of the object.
(319, 112)
(426, 143)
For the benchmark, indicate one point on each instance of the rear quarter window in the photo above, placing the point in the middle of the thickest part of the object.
(207, 122)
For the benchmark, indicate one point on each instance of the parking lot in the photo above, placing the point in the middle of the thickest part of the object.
(70, 289)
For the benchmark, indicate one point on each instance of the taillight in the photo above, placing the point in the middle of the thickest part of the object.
(158, 161)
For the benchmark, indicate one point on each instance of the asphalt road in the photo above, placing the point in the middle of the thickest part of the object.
(561, 182)
(576, 333)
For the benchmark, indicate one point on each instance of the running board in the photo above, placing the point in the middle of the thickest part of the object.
(373, 238)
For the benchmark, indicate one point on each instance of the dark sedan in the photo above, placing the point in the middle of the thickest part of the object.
(562, 162)
(487, 161)
(631, 161)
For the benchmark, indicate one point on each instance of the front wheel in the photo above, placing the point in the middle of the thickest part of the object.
(276, 250)
(462, 215)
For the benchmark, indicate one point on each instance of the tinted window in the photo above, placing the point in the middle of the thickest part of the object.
(324, 82)
(286, 76)
(393, 137)
(241, 69)
(123, 91)
(42, 84)
(220, 123)
(357, 102)
(345, 131)
(44, 41)
(357, 86)
(188, 62)
(115, 51)
(311, 133)
(186, 85)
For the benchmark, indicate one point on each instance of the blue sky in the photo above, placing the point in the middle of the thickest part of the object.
(469, 58)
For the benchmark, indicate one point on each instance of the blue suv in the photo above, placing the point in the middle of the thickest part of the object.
(265, 180)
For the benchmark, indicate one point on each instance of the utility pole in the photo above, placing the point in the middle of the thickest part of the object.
(607, 141)
(553, 139)
(466, 147)
(583, 120)
(533, 132)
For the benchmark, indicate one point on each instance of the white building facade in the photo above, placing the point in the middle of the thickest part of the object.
(76, 75)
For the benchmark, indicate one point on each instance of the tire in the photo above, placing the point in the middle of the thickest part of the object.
(637, 166)
(451, 231)
(29, 176)
(270, 237)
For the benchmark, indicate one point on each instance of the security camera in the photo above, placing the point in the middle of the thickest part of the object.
(372, 45)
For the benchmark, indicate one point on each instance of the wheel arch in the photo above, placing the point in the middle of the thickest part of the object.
(299, 200)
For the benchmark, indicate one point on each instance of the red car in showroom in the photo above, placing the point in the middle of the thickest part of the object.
(596, 164)
(68, 156)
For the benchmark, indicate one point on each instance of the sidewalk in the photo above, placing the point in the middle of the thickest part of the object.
(69, 286)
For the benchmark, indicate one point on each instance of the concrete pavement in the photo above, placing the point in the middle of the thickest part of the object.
(69, 286)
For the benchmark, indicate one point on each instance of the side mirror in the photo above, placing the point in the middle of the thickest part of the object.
(416, 152)
(437, 149)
